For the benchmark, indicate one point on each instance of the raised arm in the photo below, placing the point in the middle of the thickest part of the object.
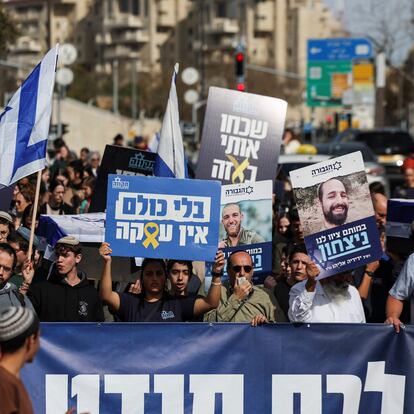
(105, 289)
(301, 303)
(212, 300)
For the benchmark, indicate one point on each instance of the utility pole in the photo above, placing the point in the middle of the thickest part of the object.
(115, 78)
(380, 90)
(134, 98)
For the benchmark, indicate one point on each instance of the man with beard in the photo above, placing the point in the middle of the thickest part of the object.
(231, 219)
(333, 197)
(332, 299)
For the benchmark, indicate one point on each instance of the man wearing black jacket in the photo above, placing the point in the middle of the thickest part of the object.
(67, 295)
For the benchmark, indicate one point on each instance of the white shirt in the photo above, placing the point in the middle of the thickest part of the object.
(316, 306)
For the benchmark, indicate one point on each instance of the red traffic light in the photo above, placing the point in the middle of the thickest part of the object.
(239, 57)
(241, 87)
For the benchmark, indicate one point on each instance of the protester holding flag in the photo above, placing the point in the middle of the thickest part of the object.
(154, 304)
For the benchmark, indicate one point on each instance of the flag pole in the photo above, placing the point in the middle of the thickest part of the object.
(34, 213)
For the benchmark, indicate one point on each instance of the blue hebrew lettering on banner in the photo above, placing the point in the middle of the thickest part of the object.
(162, 217)
(222, 369)
(345, 248)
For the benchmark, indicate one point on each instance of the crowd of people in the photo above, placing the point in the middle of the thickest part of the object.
(35, 288)
(175, 291)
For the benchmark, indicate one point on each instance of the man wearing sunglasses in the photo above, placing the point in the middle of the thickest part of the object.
(241, 301)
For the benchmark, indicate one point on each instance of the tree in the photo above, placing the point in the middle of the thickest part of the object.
(8, 32)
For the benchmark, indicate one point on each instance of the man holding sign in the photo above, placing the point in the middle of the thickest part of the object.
(332, 299)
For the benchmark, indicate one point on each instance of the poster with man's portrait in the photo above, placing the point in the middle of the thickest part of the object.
(336, 213)
(246, 223)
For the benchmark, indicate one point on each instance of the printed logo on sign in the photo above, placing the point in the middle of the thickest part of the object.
(139, 161)
(167, 315)
(237, 191)
(337, 165)
(119, 184)
(245, 106)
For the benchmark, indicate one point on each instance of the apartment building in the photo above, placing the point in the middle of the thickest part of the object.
(43, 23)
(134, 31)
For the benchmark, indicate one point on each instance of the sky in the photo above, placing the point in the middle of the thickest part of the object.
(388, 23)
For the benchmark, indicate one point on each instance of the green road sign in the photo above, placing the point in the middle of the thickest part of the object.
(327, 81)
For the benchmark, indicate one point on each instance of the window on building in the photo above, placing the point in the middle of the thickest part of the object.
(221, 9)
(110, 8)
(146, 8)
(136, 7)
(124, 6)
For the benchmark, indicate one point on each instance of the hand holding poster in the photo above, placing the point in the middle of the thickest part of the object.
(241, 138)
(336, 212)
(246, 218)
(162, 217)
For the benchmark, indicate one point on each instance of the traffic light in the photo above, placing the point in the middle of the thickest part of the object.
(65, 128)
(239, 70)
(239, 64)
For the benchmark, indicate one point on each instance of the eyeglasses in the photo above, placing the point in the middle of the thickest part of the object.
(7, 269)
(246, 268)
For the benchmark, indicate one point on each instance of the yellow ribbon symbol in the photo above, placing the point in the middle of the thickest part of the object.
(151, 235)
(238, 169)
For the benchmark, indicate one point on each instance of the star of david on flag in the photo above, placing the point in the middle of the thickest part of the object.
(24, 124)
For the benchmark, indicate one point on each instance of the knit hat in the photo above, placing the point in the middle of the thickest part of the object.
(15, 322)
(69, 240)
(6, 216)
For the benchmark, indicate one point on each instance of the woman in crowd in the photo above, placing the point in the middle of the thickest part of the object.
(154, 304)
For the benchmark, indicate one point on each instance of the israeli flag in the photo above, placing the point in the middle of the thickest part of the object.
(24, 124)
(170, 161)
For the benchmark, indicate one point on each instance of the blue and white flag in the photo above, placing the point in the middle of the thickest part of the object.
(24, 124)
(170, 161)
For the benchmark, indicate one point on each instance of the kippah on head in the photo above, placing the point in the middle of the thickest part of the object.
(69, 240)
(6, 216)
(15, 322)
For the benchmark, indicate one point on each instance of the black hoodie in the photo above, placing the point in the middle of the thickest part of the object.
(56, 301)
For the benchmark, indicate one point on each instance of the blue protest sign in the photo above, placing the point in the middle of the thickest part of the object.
(339, 49)
(336, 212)
(246, 224)
(162, 217)
(231, 368)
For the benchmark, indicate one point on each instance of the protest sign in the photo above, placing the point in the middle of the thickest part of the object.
(197, 367)
(246, 223)
(335, 209)
(119, 160)
(399, 229)
(241, 137)
(165, 218)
